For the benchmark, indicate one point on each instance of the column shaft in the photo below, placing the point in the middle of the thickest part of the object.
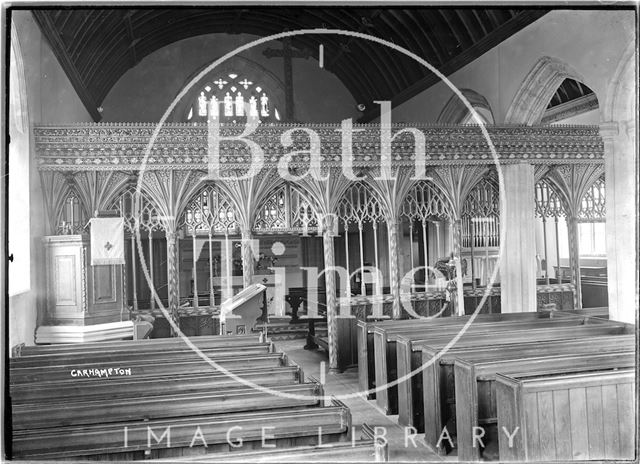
(518, 265)
(332, 302)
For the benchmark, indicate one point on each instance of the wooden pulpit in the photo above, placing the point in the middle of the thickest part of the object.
(82, 301)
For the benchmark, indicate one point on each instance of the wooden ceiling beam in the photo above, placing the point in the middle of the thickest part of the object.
(464, 16)
(48, 29)
(499, 34)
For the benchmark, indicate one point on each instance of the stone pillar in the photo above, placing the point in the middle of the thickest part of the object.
(456, 228)
(621, 191)
(330, 288)
(394, 271)
(518, 265)
(247, 257)
(172, 276)
(574, 261)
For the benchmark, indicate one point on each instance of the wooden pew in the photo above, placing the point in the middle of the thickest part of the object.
(104, 358)
(70, 390)
(365, 336)
(157, 368)
(600, 312)
(70, 413)
(386, 356)
(130, 440)
(438, 378)
(414, 354)
(156, 344)
(475, 389)
(358, 451)
(587, 416)
(364, 450)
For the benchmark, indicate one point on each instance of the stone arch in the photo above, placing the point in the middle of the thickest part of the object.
(535, 92)
(621, 96)
(236, 64)
(455, 111)
(18, 93)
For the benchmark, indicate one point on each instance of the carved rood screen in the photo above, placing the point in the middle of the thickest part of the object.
(481, 215)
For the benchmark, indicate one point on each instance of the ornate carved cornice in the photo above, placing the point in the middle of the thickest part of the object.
(181, 146)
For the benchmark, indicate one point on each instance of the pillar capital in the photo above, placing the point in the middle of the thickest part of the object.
(609, 129)
(245, 232)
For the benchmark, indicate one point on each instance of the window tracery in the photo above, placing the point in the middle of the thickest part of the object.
(232, 98)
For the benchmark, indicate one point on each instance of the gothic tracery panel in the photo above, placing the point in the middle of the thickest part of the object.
(481, 215)
(147, 214)
(423, 202)
(359, 205)
(286, 209)
(592, 206)
(209, 212)
(548, 203)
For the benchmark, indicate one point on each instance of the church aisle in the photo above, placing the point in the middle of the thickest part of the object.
(401, 448)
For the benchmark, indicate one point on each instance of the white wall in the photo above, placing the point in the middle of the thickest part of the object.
(145, 92)
(50, 98)
(592, 42)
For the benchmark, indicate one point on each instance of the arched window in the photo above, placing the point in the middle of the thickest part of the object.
(231, 98)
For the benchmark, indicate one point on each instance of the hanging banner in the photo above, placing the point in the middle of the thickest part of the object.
(107, 241)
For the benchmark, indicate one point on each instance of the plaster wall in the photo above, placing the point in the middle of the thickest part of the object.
(590, 41)
(145, 92)
(50, 99)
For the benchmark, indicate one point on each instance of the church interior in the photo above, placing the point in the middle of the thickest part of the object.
(320, 233)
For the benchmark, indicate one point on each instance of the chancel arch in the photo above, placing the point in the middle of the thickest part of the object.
(456, 111)
(537, 89)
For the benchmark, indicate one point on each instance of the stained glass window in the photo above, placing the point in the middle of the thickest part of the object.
(232, 98)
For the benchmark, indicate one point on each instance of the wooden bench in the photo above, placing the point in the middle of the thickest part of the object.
(134, 356)
(438, 378)
(413, 356)
(135, 439)
(135, 387)
(587, 416)
(386, 356)
(365, 336)
(156, 368)
(367, 449)
(157, 344)
(70, 413)
(475, 389)
(358, 451)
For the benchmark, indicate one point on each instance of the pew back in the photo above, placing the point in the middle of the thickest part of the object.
(587, 416)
